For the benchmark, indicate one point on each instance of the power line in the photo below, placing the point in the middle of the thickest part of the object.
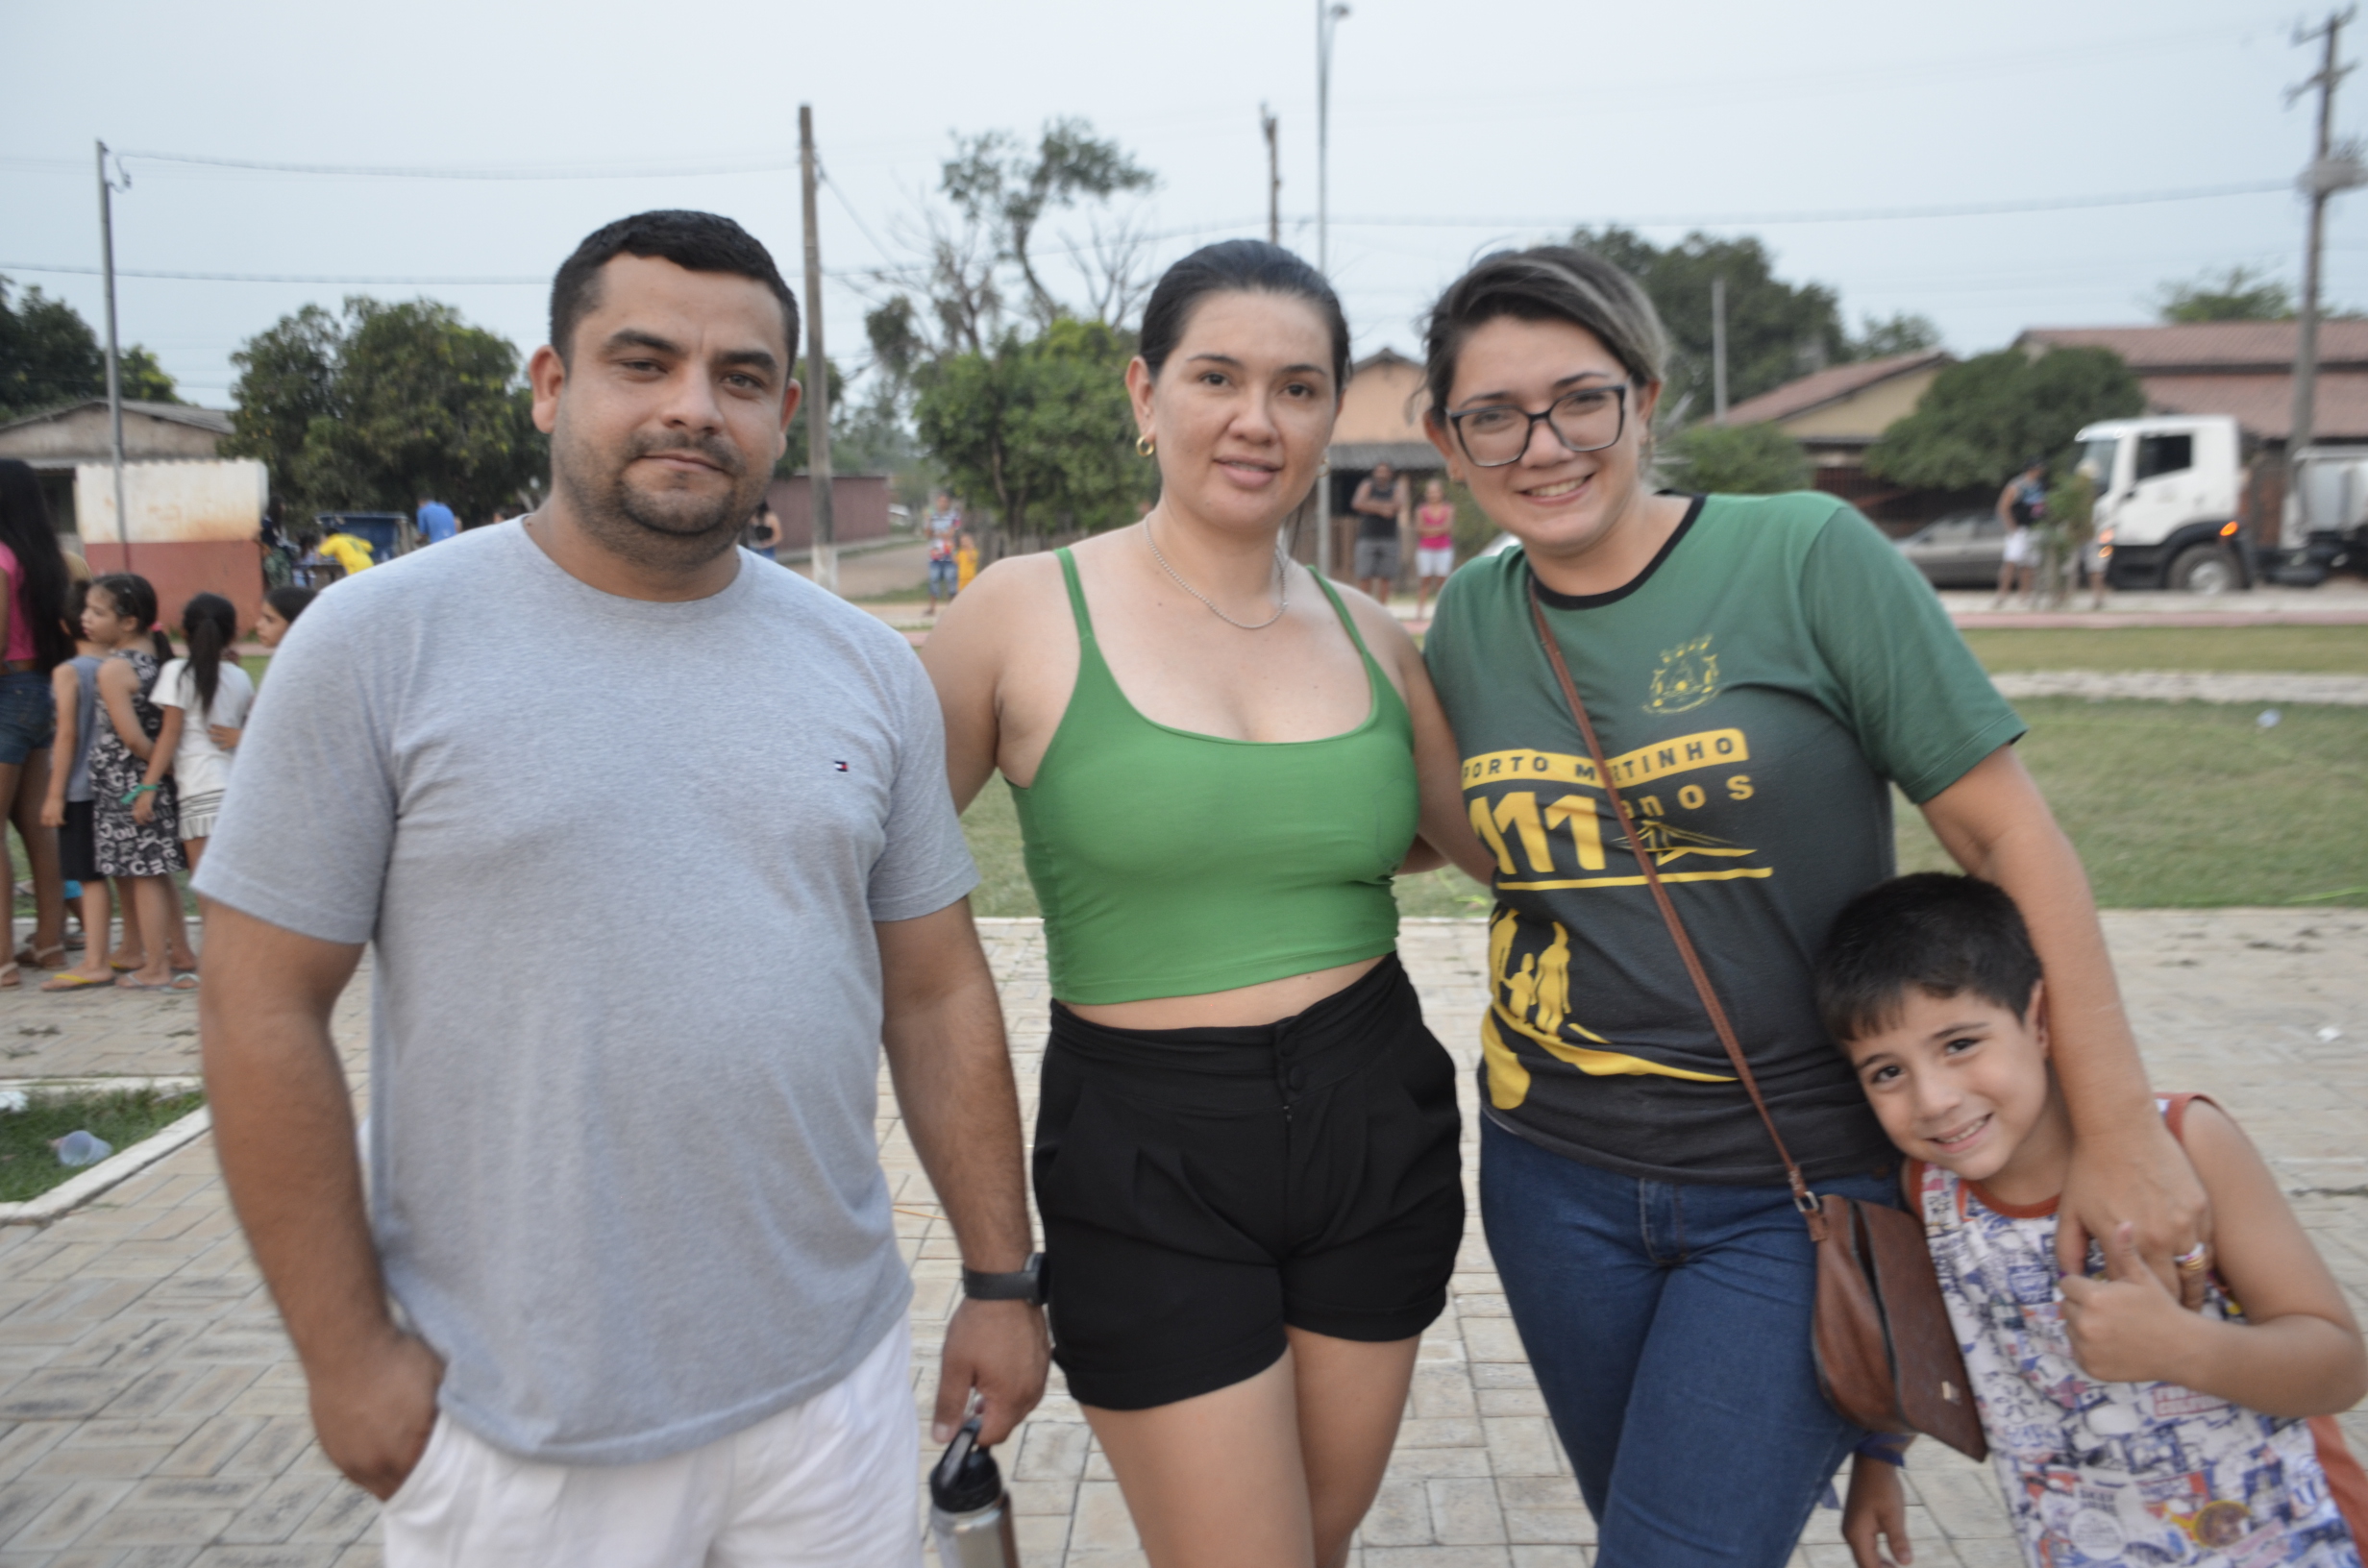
(2054, 204)
(769, 164)
(538, 280)
(1865, 215)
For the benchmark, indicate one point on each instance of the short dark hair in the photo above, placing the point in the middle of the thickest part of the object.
(694, 241)
(290, 600)
(1545, 282)
(1248, 266)
(1944, 935)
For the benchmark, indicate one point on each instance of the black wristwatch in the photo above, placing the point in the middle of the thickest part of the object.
(1027, 1284)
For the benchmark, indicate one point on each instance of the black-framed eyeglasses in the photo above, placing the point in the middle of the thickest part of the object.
(1586, 420)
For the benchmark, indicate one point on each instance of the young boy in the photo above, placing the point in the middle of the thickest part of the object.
(2125, 1429)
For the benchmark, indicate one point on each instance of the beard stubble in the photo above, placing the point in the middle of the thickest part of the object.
(669, 531)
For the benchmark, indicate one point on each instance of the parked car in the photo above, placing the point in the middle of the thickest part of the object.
(1962, 551)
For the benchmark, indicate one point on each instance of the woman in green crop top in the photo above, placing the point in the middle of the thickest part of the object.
(1247, 1150)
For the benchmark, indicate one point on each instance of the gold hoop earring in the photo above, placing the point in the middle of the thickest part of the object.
(1145, 446)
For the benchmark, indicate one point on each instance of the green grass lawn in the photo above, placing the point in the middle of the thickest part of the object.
(2194, 803)
(2335, 650)
(28, 1167)
(2169, 803)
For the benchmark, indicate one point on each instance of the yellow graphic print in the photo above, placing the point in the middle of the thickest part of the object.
(1666, 844)
(1534, 821)
(1647, 763)
(1686, 678)
(1533, 1000)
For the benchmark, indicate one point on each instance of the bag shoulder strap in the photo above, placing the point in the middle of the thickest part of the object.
(1802, 1199)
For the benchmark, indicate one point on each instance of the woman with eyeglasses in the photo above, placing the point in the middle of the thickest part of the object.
(1759, 671)
(1245, 1153)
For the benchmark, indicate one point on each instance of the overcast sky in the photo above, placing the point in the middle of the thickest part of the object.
(1467, 126)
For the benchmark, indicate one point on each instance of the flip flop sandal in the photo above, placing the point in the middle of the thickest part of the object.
(10, 978)
(32, 957)
(124, 982)
(77, 982)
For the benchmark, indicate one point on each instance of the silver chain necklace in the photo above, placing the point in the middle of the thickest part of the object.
(1282, 572)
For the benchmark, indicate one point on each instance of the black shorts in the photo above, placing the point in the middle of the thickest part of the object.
(1201, 1188)
(77, 843)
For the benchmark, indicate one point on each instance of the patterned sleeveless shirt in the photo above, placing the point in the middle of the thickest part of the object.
(2098, 1473)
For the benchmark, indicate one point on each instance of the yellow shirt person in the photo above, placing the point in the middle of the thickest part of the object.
(348, 552)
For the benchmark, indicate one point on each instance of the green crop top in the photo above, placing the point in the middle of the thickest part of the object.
(1171, 864)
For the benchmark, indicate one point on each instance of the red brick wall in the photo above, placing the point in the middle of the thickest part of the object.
(858, 508)
(180, 572)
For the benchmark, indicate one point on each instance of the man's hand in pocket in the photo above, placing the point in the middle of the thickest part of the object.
(374, 1410)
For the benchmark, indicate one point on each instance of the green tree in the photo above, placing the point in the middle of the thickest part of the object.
(383, 407)
(140, 376)
(1775, 331)
(1903, 333)
(793, 456)
(1026, 418)
(287, 379)
(1040, 427)
(1986, 416)
(2238, 294)
(1735, 460)
(1005, 188)
(49, 356)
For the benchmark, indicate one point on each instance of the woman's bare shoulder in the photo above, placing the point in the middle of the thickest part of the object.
(1004, 608)
(1383, 632)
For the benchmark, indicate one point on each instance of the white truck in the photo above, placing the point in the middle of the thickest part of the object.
(2171, 493)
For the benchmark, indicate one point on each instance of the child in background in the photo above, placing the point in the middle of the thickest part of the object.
(965, 561)
(281, 608)
(196, 693)
(121, 616)
(2125, 1428)
(1434, 543)
(67, 805)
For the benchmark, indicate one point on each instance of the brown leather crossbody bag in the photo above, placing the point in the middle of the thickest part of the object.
(1887, 1355)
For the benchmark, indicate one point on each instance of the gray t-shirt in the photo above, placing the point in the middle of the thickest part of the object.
(620, 861)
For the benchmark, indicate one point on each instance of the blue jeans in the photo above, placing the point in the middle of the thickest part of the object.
(28, 714)
(1668, 1326)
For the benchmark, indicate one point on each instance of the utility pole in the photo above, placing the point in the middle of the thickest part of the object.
(2331, 169)
(114, 374)
(1718, 349)
(817, 370)
(1328, 14)
(1267, 123)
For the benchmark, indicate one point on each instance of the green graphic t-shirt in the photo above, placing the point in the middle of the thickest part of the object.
(1756, 689)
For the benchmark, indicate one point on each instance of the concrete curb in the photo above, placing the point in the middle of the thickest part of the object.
(117, 1167)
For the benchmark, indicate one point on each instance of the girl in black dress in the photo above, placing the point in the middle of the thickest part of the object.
(139, 848)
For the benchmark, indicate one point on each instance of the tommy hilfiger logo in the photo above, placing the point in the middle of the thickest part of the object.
(840, 766)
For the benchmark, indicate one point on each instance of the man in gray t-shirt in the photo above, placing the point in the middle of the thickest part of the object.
(624, 1185)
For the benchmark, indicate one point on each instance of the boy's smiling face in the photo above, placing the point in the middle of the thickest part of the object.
(1963, 1083)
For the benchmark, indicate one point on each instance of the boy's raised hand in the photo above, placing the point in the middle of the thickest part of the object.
(2126, 1327)
(1875, 1511)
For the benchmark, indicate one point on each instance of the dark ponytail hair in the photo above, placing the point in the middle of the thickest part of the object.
(40, 565)
(135, 596)
(209, 624)
(77, 596)
(290, 600)
(1248, 267)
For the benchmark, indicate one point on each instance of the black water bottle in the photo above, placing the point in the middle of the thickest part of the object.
(969, 1514)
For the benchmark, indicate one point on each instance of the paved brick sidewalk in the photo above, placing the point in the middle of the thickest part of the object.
(150, 1415)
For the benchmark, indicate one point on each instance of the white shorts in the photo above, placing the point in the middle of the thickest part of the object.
(825, 1483)
(2021, 547)
(1432, 562)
